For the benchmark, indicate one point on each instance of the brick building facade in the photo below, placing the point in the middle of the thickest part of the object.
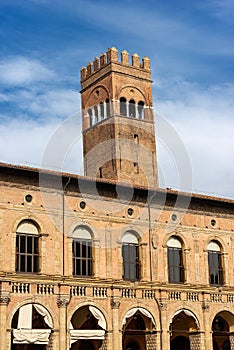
(86, 264)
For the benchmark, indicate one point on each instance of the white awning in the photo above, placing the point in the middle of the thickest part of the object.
(31, 336)
(99, 316)
(77, 334)
(132, 312)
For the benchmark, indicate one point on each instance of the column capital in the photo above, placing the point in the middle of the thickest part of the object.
(4, 298)
(63, 300)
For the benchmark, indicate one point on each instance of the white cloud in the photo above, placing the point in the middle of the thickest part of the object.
(204, 121)
(26, 142)
(17, 71)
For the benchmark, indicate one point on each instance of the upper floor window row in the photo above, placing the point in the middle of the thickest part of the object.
(126, 108)
(175, 259)
(131, 108)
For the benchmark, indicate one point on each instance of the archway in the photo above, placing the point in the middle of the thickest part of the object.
(87, 329)
(222, 330)
(139, 330)
(31, 328)
(184, 331)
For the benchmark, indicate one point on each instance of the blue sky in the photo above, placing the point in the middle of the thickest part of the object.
(44, 44)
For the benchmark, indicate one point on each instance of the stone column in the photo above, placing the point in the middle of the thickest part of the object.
(4, 301)
(195, 341)
(116, 333)
(62, 302)
(208, 342)
(151, 341)
(165, 331)
(231, 339)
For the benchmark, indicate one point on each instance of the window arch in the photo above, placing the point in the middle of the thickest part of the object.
(140, 110)
(130, 255)
(175, 260)
(90, 113)
(82, 252)
(95, 114)
(107, 107)
(123, 106)
(27, 247)
(215, 263)
(102, 114)
(132, 109)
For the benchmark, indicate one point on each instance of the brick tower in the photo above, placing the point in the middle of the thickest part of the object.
(118, 119)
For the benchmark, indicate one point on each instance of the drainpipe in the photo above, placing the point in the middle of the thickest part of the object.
(151, 274)
(63, 223)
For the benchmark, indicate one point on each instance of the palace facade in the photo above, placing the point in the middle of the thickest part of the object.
(109, 260)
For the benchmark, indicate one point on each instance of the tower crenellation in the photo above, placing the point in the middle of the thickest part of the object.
(111, 56)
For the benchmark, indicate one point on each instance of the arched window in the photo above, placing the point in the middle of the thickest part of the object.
(95, 114)
(107, 108)
(215, 263)
(102, 115)
(123, 106)
(130, 254)
(27, 250)
(175, 260)
(140, 110)
(132, 109)
(82, 252)
(90, 112)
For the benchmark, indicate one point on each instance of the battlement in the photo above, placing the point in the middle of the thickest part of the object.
(111, 56)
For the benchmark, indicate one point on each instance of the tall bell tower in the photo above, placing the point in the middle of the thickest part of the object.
(118, 119)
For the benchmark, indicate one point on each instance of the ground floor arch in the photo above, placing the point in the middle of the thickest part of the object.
(87, 329)
(184, 331)
(31, 328)
(223, 331)
(139, 330)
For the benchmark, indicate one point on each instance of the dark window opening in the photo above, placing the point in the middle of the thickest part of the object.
(96, 114)
(107, 108)
(175, 265)
(102, 115)
(140, 110)
(82, 257)
(100, 172)
(123, 106)
(90, 117)
(27, 254)
(132, 109)
(131, 263)
(215, 268)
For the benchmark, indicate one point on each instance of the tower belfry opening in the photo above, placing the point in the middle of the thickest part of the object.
(117, 105)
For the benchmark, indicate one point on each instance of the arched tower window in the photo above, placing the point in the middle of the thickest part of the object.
(215, 263)
(130, 254)
(82, 252)
(27, 247)
(132, 109)
(175, 260)
(95, 114)
(123, 106)
(107, 108)
(102, 115)
(90, 112)
(140, 110)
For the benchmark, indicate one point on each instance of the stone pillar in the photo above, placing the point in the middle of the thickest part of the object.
(4, 301)
(116, 333)
(165, 331)
(231, 340)
(62, 302)
(151, 341)
(208, 342)
(195, 341)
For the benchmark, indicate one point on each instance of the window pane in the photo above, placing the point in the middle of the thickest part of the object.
(29, 244)
(22, 245)
(84, 270)
(84, 250)
(35, 241)
(22, 263)
(35, 264)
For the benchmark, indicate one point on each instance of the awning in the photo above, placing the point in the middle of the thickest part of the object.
(77, 334)
(134, 310)
(31, 336)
